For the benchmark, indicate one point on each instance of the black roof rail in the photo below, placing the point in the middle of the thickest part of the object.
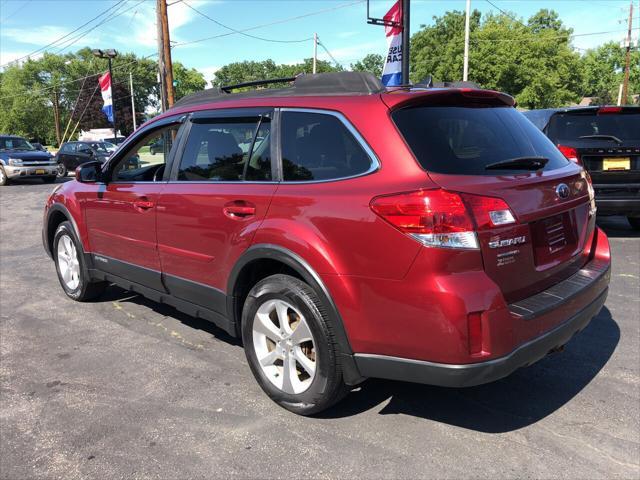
(256, 83)
(320, 84)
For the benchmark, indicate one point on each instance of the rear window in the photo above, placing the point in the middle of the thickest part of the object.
(571, 126)
(464, 140)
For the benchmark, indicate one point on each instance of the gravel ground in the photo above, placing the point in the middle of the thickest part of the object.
(123, 387)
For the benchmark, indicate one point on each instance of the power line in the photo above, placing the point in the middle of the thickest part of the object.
(328, 53)
(537, 37)
(506, 13)
(66, 82)
(106, 20)
(242, 32)
(276, 22)
(19, 9)
(66, 35)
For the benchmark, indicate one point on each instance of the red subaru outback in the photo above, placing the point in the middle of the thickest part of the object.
(345, 231)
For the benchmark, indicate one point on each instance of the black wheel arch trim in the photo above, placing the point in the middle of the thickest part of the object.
(292, 260)
(57, 207)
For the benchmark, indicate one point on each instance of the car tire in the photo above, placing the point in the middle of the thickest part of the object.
(62, 170)
(4, 180)
(634, 222)
(295, 361)
(70, 264)
(49, 179)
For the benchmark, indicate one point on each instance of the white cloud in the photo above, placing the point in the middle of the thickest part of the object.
(8, 57)
(209, 73)
(43, 35)
(142, 23)
(353, 51)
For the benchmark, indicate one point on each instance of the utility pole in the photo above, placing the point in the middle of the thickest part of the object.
(163, 90)
(315, 52)
(165, 52)
(627, 63)
(406, 35)
(467, 26)
(56, 115)
(133, 103)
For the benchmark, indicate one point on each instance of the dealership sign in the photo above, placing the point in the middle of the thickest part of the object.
(107, 97)
(392, 72)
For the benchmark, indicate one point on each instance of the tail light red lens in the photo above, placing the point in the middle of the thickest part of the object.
(439, 218)
(605, 110)
(571, 153)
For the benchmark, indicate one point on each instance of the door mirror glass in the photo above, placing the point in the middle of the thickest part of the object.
(89, 172)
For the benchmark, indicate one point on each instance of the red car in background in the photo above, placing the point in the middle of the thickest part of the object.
(345, 231)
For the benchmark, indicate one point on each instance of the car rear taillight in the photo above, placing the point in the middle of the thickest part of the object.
(592, 194)
(571, 153)
(605, 110)
(438, 218)
(489, 212)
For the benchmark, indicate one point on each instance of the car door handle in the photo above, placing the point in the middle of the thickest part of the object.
(239, 209)
(143, 204)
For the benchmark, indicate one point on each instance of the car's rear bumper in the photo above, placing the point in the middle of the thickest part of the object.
(593, 278)
(446, 375)
(618, 199)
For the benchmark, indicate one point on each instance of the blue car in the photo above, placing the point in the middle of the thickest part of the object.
(19, 159)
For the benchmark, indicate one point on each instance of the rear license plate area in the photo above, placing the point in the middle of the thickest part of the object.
(554, 238)
(613, 164)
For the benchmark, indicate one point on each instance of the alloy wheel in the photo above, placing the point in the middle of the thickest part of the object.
(68, 262)
(284, 346)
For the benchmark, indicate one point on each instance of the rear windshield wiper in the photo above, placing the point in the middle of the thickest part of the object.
(519, 163)
(603, 137)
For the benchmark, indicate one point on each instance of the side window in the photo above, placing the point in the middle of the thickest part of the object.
(228, 150)
(84, 148)
(318, 146)
(69, 148)
(146, 160)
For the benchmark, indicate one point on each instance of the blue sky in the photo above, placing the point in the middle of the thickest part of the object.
(26, 25)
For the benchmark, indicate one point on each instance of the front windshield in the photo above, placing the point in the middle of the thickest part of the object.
(109, 146)
(15, 143)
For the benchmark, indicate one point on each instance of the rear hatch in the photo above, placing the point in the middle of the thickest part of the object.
(606, 140)
(468, 144)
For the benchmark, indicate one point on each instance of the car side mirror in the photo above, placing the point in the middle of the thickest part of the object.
(89, 172)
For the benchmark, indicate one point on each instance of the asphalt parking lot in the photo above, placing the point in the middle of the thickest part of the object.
(123, 387)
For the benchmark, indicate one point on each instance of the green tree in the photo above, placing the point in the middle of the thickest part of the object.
(26, 93)
(534, 62)
(603, 72)
(187, 80)
(438, 50)
(247, 71)
(372, 63)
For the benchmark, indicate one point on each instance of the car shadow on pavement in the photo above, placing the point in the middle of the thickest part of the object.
(524, 398)
(617, 227)
(117, 294)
